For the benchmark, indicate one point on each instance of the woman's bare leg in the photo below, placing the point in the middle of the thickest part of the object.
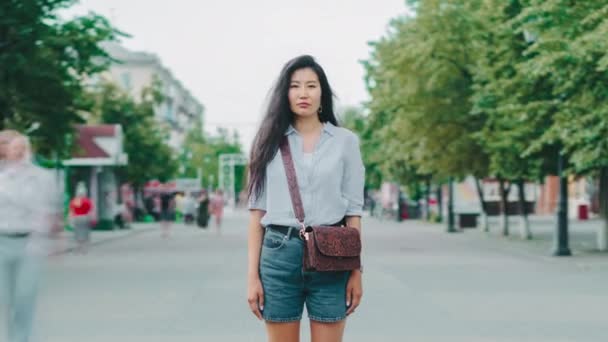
(283, 332)
(327, 332)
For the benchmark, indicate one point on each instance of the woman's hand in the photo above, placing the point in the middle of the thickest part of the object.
(354, 291)
(255, 296)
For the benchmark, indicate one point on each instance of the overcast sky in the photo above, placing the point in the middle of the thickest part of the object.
(229, 52)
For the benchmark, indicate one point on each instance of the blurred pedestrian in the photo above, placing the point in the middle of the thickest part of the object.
(178, 200)
(217, 208)
(202, 218)
(81, 218)
(156, 207)
(189, 207)
(6, 136)
(167, 209)
(30, 213)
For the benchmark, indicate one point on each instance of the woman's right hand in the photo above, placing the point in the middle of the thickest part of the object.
(255, 296)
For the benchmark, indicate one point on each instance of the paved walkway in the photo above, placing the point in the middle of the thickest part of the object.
(65, 243)
(421, 284)
(582, 237)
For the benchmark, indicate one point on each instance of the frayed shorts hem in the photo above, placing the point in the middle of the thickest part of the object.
(282, 320)
(326, 319)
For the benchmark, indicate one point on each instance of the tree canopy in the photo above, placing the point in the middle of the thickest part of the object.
(43, 63)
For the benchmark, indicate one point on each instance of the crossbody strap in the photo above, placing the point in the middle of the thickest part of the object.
(292, 180)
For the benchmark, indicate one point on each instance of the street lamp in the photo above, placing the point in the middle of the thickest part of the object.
(451, 228)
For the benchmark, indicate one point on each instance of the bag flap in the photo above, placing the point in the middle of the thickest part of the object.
(337, 241)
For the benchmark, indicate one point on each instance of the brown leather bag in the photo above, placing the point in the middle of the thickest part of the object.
(327, 248)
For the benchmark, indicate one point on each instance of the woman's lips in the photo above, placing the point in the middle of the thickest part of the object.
(303, 105)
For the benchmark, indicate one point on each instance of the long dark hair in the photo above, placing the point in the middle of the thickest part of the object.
(279, 116)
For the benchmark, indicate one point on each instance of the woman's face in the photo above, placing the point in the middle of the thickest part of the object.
(305, 93)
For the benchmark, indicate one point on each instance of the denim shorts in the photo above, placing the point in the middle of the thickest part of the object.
(287, 287)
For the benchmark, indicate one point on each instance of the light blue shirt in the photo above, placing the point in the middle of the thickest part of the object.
(331, 185)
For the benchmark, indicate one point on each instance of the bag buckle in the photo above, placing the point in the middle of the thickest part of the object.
(304, 234)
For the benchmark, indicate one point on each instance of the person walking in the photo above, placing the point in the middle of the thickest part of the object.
(30, 212)
(189, 208)
(330, 177)
(217, 205)
(81, 218)
(167, 212)
(202, 217)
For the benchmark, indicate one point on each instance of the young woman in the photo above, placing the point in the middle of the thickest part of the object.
(330, 176)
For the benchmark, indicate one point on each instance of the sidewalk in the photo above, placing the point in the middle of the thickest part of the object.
(421, 284)
(582, 237)
(65, 243)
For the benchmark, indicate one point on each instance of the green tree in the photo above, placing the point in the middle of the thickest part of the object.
(570, 55)
(504, 135)
(145, 139)
(420, 79)
(43, 62)
(354, 119)
(205, 150)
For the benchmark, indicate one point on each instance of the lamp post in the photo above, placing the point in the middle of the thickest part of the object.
(451, 228)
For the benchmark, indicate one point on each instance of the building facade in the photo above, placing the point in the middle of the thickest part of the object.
(98, 152)
(180, 110)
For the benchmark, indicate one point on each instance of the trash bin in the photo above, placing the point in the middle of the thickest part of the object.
(467, 220)
(404, 212)
(583, 212)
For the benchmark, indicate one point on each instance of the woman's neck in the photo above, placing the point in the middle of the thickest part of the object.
(308, 125)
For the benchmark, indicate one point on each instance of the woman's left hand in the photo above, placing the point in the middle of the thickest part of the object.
(354, 291)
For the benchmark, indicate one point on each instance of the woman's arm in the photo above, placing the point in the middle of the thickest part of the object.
(255, 292)
(254, 245)
(355, 222)
(354, 286)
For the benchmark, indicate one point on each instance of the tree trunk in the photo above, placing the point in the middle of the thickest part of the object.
(140, 207)
(428, 198)
(451, 217)
(524, 225)
(602, 236)
(439, 203)
(504, 198)
(3, 112)
(484, 212)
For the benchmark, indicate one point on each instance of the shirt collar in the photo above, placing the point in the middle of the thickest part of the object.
(328, 127)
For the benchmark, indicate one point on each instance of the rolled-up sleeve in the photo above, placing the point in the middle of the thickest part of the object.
(353, 181)
(258, 202)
